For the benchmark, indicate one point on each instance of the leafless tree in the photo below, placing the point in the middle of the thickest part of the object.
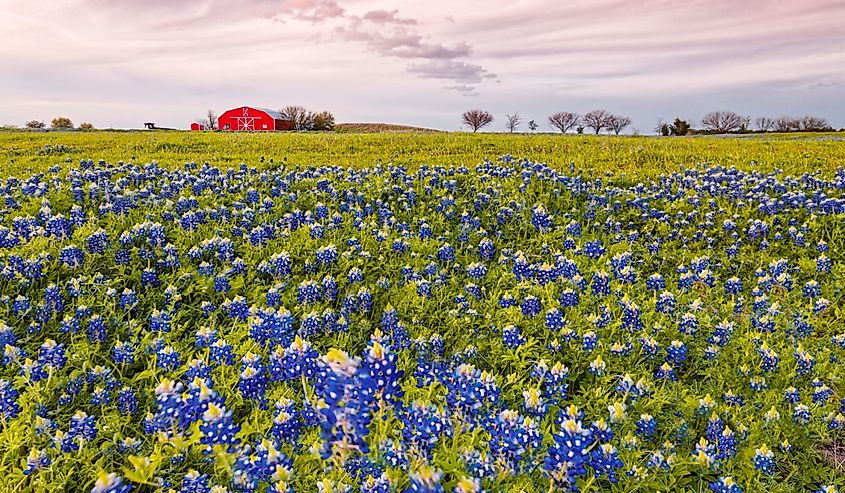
(764, 123)
(512, 122)
(476, 119)
(564, 120)
(598, 120)
(787, 124)
(210, 121)
(302, 118)
(813, 123)
(617, 123)
(722, 121)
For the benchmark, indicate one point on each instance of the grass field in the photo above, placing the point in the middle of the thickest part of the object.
(636, 156)
(421, 313)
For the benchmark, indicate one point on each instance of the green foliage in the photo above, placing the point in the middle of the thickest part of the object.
(61, 122)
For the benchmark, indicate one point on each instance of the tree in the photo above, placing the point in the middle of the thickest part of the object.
(323, 120)
(302, 119)
(679, 127)
(35, 124)
(512, 122)
(210, 121)
(722, 121)
(786, 124)
(564, 120)
(61, 122)
(617, 123)
(532, 125)
(813, 124)
(598, 120)
(476, 119)
(86, 126)
(764, 123)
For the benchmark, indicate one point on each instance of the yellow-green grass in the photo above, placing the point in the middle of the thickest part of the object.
(638, 157)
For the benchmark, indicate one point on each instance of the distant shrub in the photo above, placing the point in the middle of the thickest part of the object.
(61, 122)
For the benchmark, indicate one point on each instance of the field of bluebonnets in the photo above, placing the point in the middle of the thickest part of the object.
(401, 313)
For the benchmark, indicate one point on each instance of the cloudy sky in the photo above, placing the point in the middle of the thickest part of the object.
(118, 63)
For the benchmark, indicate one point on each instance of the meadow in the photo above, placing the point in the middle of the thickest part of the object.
(406, 312)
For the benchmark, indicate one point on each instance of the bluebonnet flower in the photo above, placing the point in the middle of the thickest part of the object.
(666, 372)
(725, 485)
(110, 483)
(554, 320)
(253, 378)
(9, 408)
(594, 249)
(511, 337)
(801, 414)
(763, 460)
(36, 460)
(605, 460)
(676, 353)
(665, 302)
(167, 358)
(646, 426)
(569, 454)
(217, 427)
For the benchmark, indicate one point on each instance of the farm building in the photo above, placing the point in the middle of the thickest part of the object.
(247, 119)
(197, 126)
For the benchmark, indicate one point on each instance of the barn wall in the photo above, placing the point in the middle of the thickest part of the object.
(251, 120)
(284, 125)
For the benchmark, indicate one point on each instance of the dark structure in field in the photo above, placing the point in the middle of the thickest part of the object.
(249, 119)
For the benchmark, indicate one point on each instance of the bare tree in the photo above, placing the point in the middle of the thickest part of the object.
(787, 124)
(476, 119)
(598, 120)
(210, 120)
(512, 122)
(34, 124)
(302, 118)
(764, 123)
(564, 120)
(813, 123)
(617, 123)
(722, 121)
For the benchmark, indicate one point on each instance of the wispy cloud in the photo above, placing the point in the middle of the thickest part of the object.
(387, 17)
(387, 34)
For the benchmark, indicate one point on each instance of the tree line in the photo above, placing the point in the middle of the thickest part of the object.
(60, 122)
(599, 121)
(720, 122)
(596, 120)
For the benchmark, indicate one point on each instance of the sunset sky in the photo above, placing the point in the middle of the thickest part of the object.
(119, 63)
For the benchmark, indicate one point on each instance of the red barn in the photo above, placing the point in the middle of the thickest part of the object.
(248, 119)
(197, 126)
